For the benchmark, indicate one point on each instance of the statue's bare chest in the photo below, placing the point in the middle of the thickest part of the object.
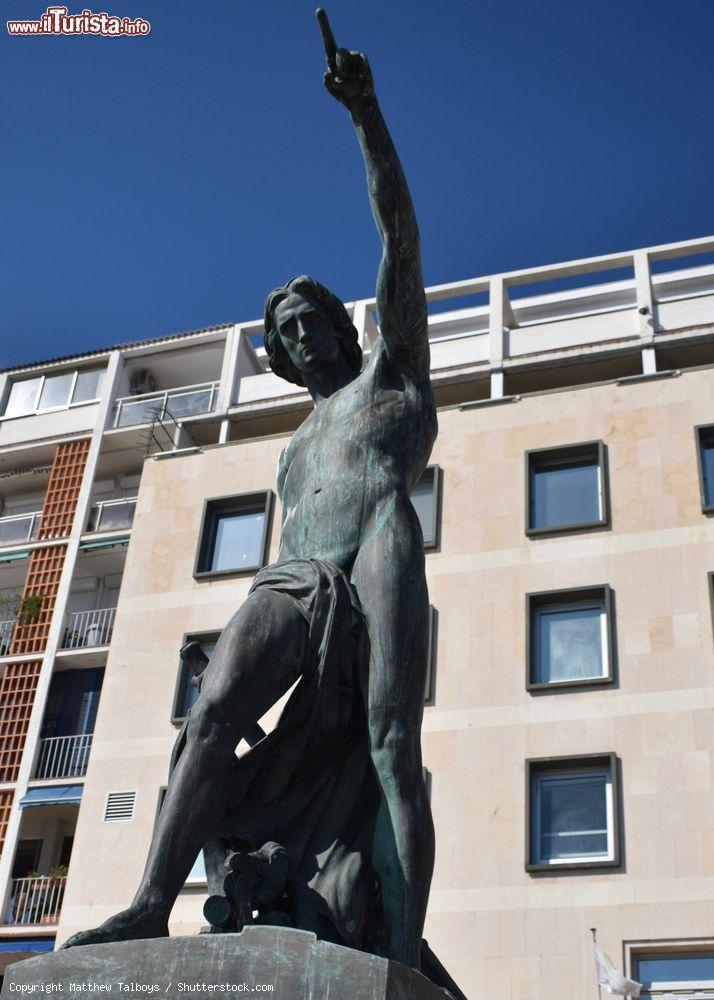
(341, 439)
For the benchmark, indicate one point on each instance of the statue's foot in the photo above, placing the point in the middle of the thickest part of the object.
(130, 925)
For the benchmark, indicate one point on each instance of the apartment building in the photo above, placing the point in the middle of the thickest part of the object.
(569, 716)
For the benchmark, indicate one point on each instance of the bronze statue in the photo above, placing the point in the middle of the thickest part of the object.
(339, 782)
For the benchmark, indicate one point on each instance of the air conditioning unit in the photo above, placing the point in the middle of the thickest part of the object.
(141, 381)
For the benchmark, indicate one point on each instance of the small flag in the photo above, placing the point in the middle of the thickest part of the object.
(610, 978)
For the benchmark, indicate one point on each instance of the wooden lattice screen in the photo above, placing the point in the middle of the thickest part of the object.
(17, 693)
(5, 806)
(63, 489)
(42, 582)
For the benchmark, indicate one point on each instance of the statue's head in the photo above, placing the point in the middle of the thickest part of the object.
(307, 328)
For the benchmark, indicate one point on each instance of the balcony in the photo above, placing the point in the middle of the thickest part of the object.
(64, 756)
(88, 628)
(17, 529)
(36, 900)
(186, 401)
(627, 314)
(112, 515)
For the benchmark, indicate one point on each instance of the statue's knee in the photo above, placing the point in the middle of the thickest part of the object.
(396, 755)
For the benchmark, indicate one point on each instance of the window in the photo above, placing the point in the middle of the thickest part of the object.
(572, 814)
(56, 391)
(72, 704)
(425, 498)
(570, 638)
(196, 654)
(27, 858)
(50, 392)
(676, 968)
(429, 692)
(234, 534)
(705, 454)
(65, 853)
(86, 388)
(566, 489)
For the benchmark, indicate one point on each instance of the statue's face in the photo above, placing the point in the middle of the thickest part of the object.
(306, 333)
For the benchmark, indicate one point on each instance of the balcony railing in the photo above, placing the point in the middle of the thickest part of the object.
(36, 900)
(6, 629)
(19, 528)
(112, 515)
(509, 322)
(89, 628)
(64, 756)
(187, 401)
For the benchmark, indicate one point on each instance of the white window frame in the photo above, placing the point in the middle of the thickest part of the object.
(574, 775)
(662, 990)
(50, 409)
(542, 610)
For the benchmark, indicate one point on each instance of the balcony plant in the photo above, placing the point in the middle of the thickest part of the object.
(30, 608)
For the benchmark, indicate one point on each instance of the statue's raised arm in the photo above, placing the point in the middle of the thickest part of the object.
(401, 303)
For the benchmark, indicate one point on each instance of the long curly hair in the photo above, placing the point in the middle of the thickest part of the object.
(335, 311)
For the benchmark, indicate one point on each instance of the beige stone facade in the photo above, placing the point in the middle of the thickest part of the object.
(501, 931)
(504, 932)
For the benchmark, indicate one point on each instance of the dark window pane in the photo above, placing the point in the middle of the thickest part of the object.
(27, 857)
(569, 643)
(565, 493)
(423, 501)
(573, 816)
(188, 692)
(23, 397)
(675, 968)
(56, 390)
(708, 470)
(87, 385)
(66, 851)
(237, 542)
(72, 703)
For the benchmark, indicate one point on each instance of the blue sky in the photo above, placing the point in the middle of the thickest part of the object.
(159, 184)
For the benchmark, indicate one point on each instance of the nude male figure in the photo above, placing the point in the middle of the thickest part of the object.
(344, 482)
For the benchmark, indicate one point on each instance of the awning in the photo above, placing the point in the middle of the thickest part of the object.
(86, 546)
(52, 795)
(19, 944)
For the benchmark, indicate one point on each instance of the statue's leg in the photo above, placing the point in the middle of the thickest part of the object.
(390, 582)
(259, 655)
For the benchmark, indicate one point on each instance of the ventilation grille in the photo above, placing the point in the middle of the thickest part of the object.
(119, 807)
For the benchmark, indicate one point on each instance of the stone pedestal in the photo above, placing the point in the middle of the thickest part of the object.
(294, 963)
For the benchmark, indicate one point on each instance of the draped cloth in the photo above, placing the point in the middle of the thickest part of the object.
(310, 784)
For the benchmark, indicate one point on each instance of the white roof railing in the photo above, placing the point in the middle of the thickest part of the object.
(507, 328)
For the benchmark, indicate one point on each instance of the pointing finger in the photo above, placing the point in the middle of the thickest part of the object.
(328, 39)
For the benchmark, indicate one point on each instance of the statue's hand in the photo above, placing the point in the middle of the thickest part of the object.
(348, 77)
